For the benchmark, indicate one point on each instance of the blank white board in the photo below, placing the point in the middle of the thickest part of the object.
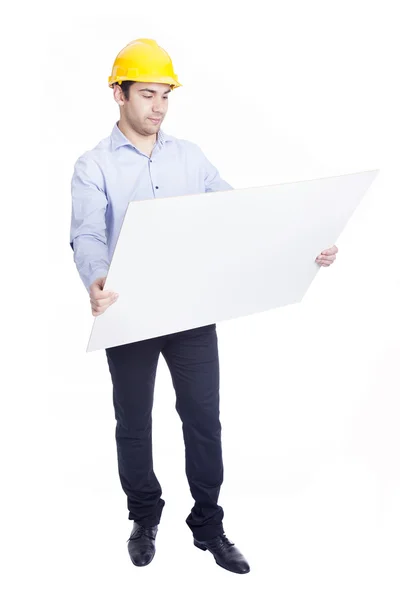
(187, 261)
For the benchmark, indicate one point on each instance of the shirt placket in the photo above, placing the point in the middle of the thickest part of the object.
(151, 159)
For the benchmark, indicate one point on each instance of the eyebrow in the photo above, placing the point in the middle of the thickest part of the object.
(153, 91)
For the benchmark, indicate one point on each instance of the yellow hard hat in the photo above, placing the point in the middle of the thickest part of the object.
(143, 60)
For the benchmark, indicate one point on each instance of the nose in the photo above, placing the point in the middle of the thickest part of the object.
(157, 107)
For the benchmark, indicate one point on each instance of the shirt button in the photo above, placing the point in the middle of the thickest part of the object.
(156, 187)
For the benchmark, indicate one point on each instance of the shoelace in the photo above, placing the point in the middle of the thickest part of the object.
(141, 531)
(220, 542)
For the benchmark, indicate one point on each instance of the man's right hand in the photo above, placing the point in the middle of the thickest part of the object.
(100, 299)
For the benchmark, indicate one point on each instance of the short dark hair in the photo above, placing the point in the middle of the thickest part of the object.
(125, 86)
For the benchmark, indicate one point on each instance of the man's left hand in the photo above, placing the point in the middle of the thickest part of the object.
(327, 257)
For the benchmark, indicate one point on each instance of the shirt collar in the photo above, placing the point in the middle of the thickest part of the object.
(119, 139)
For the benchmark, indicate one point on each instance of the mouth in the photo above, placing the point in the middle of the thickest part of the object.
(155, 121)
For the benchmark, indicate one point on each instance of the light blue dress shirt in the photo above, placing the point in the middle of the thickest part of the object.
(114, 173)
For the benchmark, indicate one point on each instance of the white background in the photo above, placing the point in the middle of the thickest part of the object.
(272, 92)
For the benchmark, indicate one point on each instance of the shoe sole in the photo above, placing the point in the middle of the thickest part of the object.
(199, 545)
(202, 547)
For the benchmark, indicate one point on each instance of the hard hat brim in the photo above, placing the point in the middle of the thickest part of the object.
(146, 79)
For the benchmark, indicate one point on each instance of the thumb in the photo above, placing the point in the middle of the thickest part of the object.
(98, 283)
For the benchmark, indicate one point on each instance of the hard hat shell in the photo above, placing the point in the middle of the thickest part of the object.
(143, 60)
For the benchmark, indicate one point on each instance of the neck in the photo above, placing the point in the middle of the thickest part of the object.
(143, 142)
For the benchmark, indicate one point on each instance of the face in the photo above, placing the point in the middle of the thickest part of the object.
(147, 106)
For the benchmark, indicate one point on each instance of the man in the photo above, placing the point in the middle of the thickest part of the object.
(136, 162)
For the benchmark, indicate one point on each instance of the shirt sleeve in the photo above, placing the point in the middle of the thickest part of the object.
(88, 233)
(212, 179)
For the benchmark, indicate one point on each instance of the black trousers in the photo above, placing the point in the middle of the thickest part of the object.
(192, 358)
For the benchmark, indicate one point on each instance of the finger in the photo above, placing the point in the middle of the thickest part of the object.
(99, 303)
(103, 301)
(102, 307)
(327, 258)
(101, 294)
(330, 251)
(95, 305)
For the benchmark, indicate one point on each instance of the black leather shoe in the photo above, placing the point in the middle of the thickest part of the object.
(225, 553)
(141, 544)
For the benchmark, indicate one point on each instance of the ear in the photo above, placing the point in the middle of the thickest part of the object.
(118, 95)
